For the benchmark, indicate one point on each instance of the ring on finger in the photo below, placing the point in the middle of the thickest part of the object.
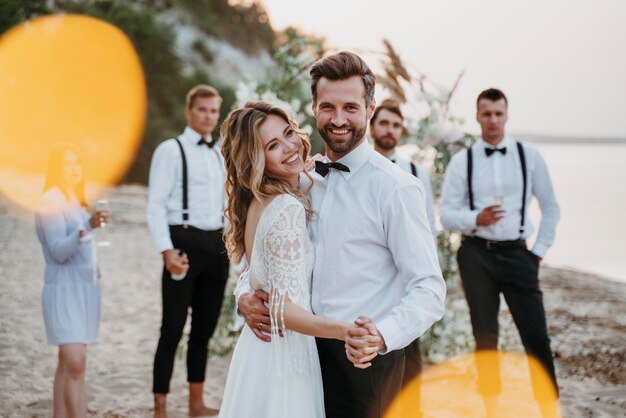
(260, 325)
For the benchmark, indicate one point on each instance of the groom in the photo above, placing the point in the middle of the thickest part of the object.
(374, 252)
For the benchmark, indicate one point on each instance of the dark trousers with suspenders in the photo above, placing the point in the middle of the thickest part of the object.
(202, 290)
(489, 268)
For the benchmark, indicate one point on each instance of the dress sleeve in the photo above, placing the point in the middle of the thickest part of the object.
(284, 254)
(62, 240)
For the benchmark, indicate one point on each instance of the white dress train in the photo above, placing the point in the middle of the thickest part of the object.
(281, 379)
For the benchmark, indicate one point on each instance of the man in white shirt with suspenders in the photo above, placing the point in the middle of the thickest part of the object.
(185, 217)
(486, 194)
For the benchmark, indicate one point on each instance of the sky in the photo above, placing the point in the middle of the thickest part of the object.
(562, 63)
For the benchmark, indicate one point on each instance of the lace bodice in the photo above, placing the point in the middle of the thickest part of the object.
(282, 256)
(281, 264)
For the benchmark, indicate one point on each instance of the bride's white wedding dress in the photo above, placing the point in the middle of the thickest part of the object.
(281, 378)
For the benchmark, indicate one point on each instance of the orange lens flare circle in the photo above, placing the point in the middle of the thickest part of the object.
(67, 79)
(482, 384)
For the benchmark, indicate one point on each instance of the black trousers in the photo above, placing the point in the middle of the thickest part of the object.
(358, 393)
(202, 290)
(514, 272)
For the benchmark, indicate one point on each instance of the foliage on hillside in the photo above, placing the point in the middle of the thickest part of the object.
(165, 80)
(13, 12)
(245, 27)
(168, 76)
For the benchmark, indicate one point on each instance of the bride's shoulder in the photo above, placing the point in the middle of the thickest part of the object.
(286, 205)
(289, 202)
(282, 200)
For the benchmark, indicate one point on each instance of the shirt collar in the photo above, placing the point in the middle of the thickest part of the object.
(506, 141)
(191, 136)
(356, 158)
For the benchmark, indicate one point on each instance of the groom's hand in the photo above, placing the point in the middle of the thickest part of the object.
(363, 342)
(254, 309)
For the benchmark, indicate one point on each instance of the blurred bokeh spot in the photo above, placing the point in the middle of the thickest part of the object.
(484, 384)
(71, 79)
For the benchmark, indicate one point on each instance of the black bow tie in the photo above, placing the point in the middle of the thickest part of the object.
(202, 141)
(323, 168)
(490, 151)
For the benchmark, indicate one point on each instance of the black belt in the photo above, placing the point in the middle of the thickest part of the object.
(193, 229)
(495, 245)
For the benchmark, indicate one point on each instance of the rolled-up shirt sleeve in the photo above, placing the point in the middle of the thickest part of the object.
(161, 181)
(455, 212)
(242, 287)
(418, 267)
(550, 210)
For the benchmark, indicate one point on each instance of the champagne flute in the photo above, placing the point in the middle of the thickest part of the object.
(103, 205)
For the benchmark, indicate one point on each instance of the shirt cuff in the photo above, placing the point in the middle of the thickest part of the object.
(164, 246)
(390, 331)
(238, 321)
(540, 249)
(469, 219)
(243, 286)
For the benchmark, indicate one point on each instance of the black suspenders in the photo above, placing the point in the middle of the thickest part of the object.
(469, 178)
(185, 193)
(413, 168)
(522, 158)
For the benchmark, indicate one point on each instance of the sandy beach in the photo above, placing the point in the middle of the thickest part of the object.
(586, 316)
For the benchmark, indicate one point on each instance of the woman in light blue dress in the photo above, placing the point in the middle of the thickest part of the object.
(71, 293)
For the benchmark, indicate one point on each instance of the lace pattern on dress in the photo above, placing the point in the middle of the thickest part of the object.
(282, 264)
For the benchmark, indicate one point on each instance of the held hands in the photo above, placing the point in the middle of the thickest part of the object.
(363, 342)
(175, 263)
(490, 215)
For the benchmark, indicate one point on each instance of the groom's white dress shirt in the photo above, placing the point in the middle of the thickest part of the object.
(374, 252)
(424, 176)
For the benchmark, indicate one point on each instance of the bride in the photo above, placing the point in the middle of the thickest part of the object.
(264, 153)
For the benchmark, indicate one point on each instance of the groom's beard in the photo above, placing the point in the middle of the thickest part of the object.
(337, 147)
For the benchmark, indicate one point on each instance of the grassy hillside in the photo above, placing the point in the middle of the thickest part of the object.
(168, 74)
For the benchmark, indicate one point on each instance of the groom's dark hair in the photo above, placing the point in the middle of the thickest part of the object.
(342, 66)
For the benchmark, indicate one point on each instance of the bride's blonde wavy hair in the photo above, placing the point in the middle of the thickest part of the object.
(244, 158)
